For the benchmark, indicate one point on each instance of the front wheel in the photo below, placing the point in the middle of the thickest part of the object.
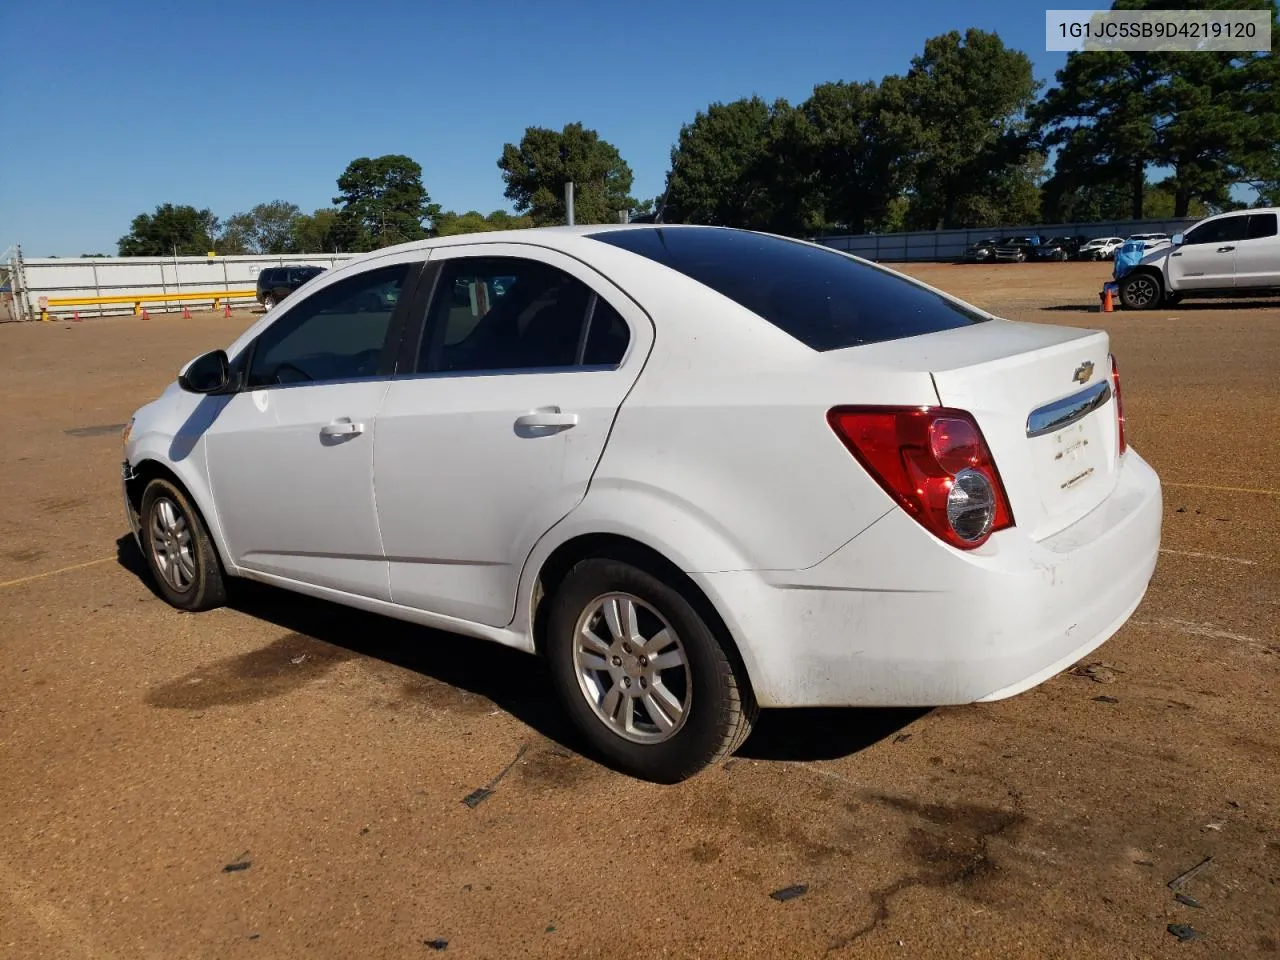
(642, 675)
(180, 554)
(1140, 291)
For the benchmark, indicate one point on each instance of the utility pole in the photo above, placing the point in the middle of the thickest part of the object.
(568, 202)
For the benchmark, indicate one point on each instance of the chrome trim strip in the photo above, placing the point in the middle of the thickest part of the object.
(1064, 412)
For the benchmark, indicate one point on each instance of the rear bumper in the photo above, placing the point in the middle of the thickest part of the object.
(896, 618)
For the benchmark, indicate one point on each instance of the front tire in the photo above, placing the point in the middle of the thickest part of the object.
(642, 675)
(1140, 291)
(180, 554)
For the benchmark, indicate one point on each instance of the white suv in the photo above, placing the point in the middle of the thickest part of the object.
(1219, 256)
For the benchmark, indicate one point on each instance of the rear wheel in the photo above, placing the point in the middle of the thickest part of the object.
(1140, 291)
(268, 301)
(180, 554)
(641, 673)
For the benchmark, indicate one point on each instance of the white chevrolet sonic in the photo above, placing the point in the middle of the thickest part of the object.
(699, 470)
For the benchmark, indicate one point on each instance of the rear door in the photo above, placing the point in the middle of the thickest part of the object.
(492, 434)
(1206, 260)
(1258, 254)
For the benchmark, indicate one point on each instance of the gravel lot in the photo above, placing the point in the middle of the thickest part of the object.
(285, 778)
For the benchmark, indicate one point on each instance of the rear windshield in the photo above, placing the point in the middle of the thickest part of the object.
(824, 299)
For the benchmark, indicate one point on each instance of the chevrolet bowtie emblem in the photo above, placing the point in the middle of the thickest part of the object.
(1083, 372)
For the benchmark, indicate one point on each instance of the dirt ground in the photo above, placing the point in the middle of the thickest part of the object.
(285, 778)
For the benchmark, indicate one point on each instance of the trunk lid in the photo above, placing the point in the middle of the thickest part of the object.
(1042, 396)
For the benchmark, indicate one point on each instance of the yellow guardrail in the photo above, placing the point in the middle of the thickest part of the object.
(138, 299)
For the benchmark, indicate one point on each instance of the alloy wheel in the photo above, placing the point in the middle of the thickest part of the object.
(172, 549)
(632, 668)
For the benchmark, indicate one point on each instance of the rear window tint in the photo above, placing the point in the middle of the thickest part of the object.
(824, 299)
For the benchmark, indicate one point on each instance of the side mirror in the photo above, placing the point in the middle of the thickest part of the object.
(1177, 239)
(208, 373)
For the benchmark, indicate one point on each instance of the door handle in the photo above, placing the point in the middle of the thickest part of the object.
(550, 418)
(1225, 249)
(341, 428)
(1175, 254)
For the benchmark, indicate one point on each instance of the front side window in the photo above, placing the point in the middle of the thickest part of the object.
(1261, 225)
(336, 333)
(508, 313)
(1226, 230)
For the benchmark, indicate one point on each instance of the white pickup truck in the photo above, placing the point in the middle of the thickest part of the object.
(1220, 256)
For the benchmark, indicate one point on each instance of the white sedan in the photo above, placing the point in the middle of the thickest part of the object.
(700, 470)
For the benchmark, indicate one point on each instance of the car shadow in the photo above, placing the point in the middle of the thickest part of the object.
(1186, 306)
(826, 733)
(517, 683)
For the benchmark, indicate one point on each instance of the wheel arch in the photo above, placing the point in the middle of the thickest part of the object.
(555, 567)
(148, 469)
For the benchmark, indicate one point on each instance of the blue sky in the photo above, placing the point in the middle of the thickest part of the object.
(113, 108)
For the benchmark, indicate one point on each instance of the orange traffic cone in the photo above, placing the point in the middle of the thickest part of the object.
(227, 312)
(186, 312)
(1107, 305)
(145, 315)
(76, 318)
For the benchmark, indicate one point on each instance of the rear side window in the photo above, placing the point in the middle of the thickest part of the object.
(824, 299)
(1261, 225)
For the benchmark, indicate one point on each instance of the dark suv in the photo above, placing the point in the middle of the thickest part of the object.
(276, 283)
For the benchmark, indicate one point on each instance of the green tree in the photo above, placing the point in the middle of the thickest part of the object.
(1213, 118)
(850, 162)
(315, 232)
(723, 163)
(181, 229)
(237, 235)
(267, 228)
(383, 203)
(449, 223)
(962, 111)
(536, 171)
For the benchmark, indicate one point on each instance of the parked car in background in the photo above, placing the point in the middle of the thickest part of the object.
(1059, 248)
(699, 470)
(1227, 255)
(981, 252)
(276, 283)
(1151, 240)
(1100, 248)
(1016, 249)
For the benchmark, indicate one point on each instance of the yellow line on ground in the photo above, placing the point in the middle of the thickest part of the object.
(51, 573)
(1210, 486)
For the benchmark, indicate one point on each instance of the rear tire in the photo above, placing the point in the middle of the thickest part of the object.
(268, 302)
(1140, 291)
(623, 643)
(180, 554)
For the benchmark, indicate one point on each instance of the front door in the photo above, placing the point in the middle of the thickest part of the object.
(1206, 260)
(291, 455)
(493, 434)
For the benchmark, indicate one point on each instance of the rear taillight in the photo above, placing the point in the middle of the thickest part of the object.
(935, 463)
(1115, 388)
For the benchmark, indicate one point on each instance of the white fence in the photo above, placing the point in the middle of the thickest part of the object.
(951, 244)
(52, 278)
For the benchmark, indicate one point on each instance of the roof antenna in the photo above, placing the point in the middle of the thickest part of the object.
(662, 204)
(659, 210)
